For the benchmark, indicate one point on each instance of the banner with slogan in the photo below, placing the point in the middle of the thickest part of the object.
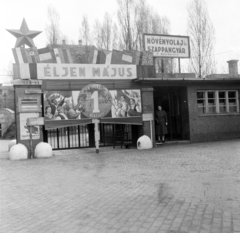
(167, 45)
(86, 71)
(92, 102)
(73, 71)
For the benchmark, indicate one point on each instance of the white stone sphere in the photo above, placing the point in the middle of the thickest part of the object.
(43, 150)
(11, 144)
(144, 142)
(18, 152)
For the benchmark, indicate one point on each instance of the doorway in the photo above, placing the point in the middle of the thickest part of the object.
(174, 101)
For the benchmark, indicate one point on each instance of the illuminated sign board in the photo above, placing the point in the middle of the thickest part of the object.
(85, 71)
(167, 46)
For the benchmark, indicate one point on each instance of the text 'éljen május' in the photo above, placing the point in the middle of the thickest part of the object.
(83, 72)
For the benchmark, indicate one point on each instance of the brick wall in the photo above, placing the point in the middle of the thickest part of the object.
(211, 127)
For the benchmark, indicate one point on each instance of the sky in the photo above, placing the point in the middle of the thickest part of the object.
(224, 14)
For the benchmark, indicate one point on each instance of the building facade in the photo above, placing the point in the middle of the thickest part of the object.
(197, 109)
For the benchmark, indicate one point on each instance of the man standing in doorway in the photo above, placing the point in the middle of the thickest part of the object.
(161, 124)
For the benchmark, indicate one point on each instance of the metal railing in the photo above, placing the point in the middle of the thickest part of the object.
(68, 137)
(78, 136)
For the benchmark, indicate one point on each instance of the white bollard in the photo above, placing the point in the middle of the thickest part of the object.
(43, 150)
(144, 142)
(18, 152)
(11, 144)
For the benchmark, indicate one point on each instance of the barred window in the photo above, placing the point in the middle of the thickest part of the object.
(218, 102)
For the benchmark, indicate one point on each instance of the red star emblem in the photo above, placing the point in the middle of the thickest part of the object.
(24, 35)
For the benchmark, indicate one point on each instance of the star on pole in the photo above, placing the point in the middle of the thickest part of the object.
(24, 35)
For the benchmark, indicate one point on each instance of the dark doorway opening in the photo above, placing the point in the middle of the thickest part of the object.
(174, 101)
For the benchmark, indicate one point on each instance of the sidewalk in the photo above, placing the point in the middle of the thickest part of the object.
(183, 188)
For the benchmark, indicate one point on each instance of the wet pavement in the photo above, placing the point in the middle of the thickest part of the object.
(174, 188)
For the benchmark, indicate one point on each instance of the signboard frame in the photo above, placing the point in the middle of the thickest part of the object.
(33, 103)
(169, 36)
(67, 117)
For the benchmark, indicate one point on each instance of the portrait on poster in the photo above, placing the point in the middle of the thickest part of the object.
(126, 103)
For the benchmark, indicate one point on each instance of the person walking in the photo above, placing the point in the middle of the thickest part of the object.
(161, 124)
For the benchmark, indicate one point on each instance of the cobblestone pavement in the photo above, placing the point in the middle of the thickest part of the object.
(178, 188)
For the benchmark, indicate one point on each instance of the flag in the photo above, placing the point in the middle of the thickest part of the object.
(138, 57)
(67, 56)
(117, 57)
(92, 58)
(58, 55)
(104, 57)
(125, 57)
(88, 57)
(24, 71)
(46, 55)
(43, 55)
(32, 54)
(82, 54)
(128, 57)
(134, 54)
(147, 58)
(82, 58)
(62, 55)
(20, 55)
(131, 57)
(74, 53)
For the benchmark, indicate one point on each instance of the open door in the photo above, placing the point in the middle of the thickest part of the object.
(173, 101)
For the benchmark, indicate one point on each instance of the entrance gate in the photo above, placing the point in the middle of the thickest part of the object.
(79, 136)
(68, 137)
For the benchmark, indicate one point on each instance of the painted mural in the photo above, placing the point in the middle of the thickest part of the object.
(93, 101)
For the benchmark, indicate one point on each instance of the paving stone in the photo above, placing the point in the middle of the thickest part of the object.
(182, 188)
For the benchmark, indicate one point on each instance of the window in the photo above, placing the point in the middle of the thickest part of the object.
(217, 102)
(222, 102)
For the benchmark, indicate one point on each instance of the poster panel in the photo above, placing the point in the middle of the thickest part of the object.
(24, 129)
(93, 101)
